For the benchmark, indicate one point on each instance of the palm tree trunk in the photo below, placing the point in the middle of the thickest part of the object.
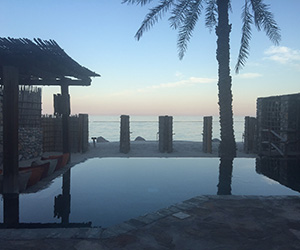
(227, 146)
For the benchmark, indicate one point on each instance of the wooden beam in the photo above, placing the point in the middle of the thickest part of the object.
(65, 119)
(10, 130)
(56, 82)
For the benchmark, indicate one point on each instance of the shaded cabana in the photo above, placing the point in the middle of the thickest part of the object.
(37, 62)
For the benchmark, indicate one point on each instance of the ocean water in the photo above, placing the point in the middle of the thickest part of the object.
(189, 128)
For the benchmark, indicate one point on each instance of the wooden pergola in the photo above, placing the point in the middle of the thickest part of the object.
(37, 62)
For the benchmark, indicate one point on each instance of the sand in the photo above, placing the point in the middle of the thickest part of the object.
(150, 149)
(142, 149)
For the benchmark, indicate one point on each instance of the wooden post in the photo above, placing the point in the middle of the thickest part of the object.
(207, 134)
(161, 133)
(10, 130)
(84, 132)
(169, 139)
(94, 141)
(65, 119)
(250, 135)
(124, 134)
(165, 134)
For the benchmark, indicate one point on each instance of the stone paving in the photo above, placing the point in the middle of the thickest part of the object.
(203, 222)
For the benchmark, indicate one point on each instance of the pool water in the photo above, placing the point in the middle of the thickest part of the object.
(108, 191)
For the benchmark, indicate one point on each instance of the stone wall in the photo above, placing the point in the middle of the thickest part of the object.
(30, 131)
(30, 142)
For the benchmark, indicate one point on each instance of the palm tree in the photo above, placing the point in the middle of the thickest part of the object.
(184, 16)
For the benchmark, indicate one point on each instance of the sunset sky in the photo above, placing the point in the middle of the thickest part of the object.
(146, 77)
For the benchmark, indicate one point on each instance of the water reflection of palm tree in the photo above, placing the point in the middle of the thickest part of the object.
(225, 176)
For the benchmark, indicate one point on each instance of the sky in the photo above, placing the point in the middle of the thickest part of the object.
(146, 77)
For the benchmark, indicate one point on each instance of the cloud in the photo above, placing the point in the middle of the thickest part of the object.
(249, 75)
(179, 75)
(183, 83)
(283, 55)
(178, 84)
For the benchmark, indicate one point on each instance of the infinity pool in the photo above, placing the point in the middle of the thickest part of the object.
(107, 191)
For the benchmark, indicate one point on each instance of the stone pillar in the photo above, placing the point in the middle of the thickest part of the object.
(165, 134)
(124, 134)
(207, 134)
(250, 135)
(10, 130)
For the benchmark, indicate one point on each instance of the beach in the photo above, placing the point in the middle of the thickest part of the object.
(150, 149)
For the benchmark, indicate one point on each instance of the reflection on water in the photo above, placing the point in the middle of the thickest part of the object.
(11, 210)
(62, 204)
(285, 171)
(104, 192)
(225, 176)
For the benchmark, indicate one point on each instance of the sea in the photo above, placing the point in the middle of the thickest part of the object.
(185, 128)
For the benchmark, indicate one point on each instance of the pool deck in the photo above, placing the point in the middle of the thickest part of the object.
(203, 222)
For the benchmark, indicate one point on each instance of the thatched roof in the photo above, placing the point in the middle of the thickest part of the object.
(42, 62)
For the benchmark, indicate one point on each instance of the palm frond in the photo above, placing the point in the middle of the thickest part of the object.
(137, 2)
(229, 5)
(211, 14)
(186, 29)
(246, 36)
(263, 18)
(153, 16)
(179, 13)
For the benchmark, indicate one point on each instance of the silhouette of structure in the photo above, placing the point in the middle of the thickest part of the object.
(278, 121)
(285, 171)
(62, 209)
(165, 134)
(124, 134)
(207, 134)
(78, 131)
(30, 131)
(38, 62)
(250, 135)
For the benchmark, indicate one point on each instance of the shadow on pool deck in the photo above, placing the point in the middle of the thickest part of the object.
(203, 222)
